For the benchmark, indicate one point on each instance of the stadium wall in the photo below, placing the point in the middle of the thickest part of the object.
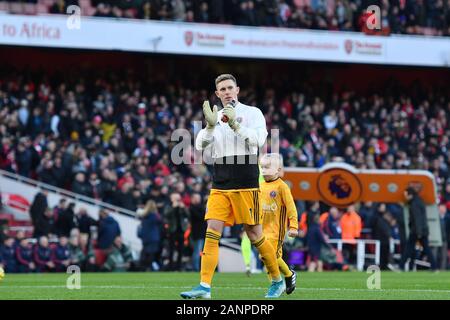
(217, 40)
(163, 70)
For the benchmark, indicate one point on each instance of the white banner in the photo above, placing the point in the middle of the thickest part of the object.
(219, 40)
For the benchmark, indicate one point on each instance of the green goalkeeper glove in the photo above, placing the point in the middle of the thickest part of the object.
(230, 113)
(210, 115)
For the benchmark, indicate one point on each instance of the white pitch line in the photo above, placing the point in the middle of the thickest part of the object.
(231, 288)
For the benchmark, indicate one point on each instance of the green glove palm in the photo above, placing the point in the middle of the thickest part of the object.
(231, 115)
(210, 115)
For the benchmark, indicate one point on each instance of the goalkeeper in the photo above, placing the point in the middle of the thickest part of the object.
(280, 213)
(234, 134)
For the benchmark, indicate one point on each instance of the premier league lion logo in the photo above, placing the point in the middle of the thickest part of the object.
(339, 187)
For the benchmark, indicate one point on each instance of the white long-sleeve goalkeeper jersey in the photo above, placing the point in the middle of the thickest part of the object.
(235, 153)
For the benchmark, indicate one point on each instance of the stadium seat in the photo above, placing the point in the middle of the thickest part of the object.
(41, 8)
(3, 6)
(84, 3)
(16, 7)
(47, 3)
(90, 11)
(7, 217)
(30, 8)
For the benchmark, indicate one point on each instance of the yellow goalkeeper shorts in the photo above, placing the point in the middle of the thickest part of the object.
(238, 206)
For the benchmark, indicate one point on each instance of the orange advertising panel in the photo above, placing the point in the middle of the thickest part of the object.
(339, 184)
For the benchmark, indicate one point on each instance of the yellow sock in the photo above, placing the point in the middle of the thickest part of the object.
(210, 256)
(268, 257)
(284, 268)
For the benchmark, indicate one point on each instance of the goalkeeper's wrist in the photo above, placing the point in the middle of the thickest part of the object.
(235, 126)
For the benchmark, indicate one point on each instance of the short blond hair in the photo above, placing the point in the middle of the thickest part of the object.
(225, 76)
(274, 156)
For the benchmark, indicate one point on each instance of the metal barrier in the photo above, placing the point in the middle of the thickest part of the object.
(396, 256)
(392, 249)
(361, 254)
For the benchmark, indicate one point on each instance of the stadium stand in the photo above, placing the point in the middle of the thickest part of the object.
(417, 17)
(104, 132)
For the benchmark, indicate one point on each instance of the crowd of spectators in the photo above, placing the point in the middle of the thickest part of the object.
(63, 237)
(106, 137)
(431, 17)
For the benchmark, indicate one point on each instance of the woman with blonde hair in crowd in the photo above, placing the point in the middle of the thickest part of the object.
(149, 231)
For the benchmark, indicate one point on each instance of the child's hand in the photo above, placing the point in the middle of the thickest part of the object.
(293, 233)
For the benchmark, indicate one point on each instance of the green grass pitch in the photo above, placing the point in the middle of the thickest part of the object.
(226, 286)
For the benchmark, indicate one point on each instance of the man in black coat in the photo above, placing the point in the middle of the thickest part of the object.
(418, 229)
(198, 225)
(176, 217)
(381, 230)
(84, 222)
(65, 221)
(38, 207)
(45, 225)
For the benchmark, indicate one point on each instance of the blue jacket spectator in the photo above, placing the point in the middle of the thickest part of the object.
(367, 213)
(24, 160)
(8, 255)
(315, 240)
(108, 230)
(332, 224)
(43, 256)
(150, 233)
(24, 256)
(61, 254)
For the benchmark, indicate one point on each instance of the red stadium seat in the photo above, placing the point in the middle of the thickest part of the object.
(90, 11)
(6, 216)
(41, 8)
(16, 7)
(84, 3)
(29, 8)
(47, 3)
(3, 6)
